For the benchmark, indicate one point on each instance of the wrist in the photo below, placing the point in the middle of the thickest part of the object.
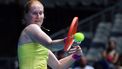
(76, 57)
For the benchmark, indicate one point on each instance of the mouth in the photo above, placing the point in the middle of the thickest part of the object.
(37, 20)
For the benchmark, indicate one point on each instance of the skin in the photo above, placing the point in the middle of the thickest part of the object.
(33, 33)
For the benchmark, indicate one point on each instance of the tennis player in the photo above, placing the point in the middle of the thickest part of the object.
(33, 52)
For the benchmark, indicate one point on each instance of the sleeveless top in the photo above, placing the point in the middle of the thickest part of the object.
(32, 56)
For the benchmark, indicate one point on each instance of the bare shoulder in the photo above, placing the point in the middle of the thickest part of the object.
(32, 26)
(29, 32)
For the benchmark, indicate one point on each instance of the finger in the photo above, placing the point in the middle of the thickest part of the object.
(77, 47)
(75, 44)
(73, 49)
(70, 52)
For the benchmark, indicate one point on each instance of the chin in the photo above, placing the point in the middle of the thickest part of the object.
(39, 24)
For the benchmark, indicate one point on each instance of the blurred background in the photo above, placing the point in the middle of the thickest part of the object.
(99, 20)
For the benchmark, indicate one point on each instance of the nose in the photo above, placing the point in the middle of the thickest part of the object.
(38, 15)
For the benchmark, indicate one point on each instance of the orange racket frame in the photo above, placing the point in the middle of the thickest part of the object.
(71, 32)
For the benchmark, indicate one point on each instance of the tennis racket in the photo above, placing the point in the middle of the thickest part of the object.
(71, 32)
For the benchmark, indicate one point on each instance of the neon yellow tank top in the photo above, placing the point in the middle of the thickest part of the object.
(32, 56)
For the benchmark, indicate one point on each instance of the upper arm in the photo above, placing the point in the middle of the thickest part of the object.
(37, 35)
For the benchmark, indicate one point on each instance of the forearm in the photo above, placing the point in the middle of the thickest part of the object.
(56, 43)
(66, 62)
(69, 60)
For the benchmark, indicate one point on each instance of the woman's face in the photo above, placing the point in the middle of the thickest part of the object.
(35, 14)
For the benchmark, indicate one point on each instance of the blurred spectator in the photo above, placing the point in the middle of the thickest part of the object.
(82, 64)
(109, 56)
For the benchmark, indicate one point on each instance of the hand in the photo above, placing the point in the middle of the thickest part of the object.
(76, 43)
(76, 50)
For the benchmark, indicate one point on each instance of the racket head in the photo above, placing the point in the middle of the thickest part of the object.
(71, 32)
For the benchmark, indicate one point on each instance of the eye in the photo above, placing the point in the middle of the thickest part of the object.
(40, 12)
(35, 13)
